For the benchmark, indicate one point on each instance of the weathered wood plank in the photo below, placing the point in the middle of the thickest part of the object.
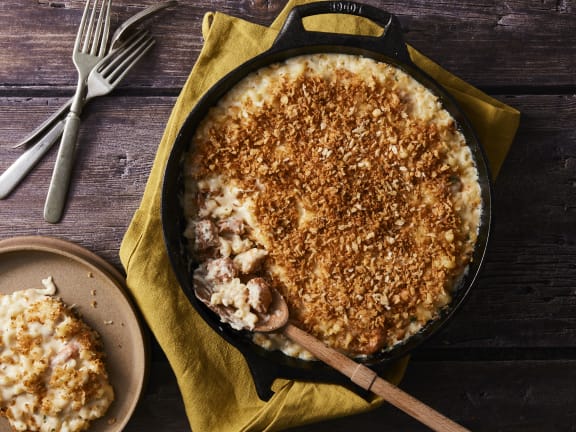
(525, 396)
(525, 296)
(117, 143)
(490, 396)
(161, 407)
(507, 360)
(492, 44)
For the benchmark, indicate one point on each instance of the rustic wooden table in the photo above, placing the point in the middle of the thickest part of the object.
(507, 362)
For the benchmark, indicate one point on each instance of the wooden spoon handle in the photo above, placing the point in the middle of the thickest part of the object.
(369, 380)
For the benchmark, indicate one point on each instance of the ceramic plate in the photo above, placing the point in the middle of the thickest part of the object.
(96, 289)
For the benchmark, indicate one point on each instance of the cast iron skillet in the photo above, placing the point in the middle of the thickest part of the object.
(294, 40)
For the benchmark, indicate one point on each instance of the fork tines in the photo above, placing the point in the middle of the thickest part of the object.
(93, 42)
(136, 46)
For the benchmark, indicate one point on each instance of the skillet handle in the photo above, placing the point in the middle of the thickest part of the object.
(390, 43)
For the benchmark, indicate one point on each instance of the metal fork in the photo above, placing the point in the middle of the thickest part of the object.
(103, 78)
(120, 38)
(89, 49)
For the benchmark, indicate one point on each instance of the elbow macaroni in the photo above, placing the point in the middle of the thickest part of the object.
(52, 373)
(357, 184)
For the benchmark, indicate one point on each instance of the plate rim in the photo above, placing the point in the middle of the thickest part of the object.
(70, 250)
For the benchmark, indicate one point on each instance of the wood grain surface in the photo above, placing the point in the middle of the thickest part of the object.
(506, 362)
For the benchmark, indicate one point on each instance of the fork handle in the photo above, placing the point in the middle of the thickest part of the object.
(59, 184)
(27, 160)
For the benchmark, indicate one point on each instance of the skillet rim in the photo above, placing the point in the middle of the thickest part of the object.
(265, 365)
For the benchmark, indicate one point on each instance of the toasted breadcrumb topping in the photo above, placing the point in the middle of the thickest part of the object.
(52, 371)
(357, 184)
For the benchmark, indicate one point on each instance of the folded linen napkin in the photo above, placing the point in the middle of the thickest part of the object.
(214, 380)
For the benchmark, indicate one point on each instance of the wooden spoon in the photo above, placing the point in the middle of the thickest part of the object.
(276, 319)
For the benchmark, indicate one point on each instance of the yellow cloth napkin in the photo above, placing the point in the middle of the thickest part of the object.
(214, 380)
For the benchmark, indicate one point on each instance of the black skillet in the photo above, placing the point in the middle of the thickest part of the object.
(294, 40)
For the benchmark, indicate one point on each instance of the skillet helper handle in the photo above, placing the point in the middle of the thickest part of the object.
(369, 380)
(390, 42)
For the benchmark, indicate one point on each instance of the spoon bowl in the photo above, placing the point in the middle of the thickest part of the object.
(275, 319)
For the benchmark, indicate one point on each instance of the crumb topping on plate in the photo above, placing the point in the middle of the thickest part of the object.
(52, 371)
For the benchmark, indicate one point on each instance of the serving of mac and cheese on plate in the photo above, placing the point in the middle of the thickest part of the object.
(73, 355)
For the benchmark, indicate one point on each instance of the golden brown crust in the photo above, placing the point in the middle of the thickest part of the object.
(65, 381)
(353, 200)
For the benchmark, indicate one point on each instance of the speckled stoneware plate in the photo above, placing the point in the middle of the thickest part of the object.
(96, 289)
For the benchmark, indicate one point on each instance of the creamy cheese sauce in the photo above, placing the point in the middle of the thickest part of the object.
(52, 376)
(225, 196)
